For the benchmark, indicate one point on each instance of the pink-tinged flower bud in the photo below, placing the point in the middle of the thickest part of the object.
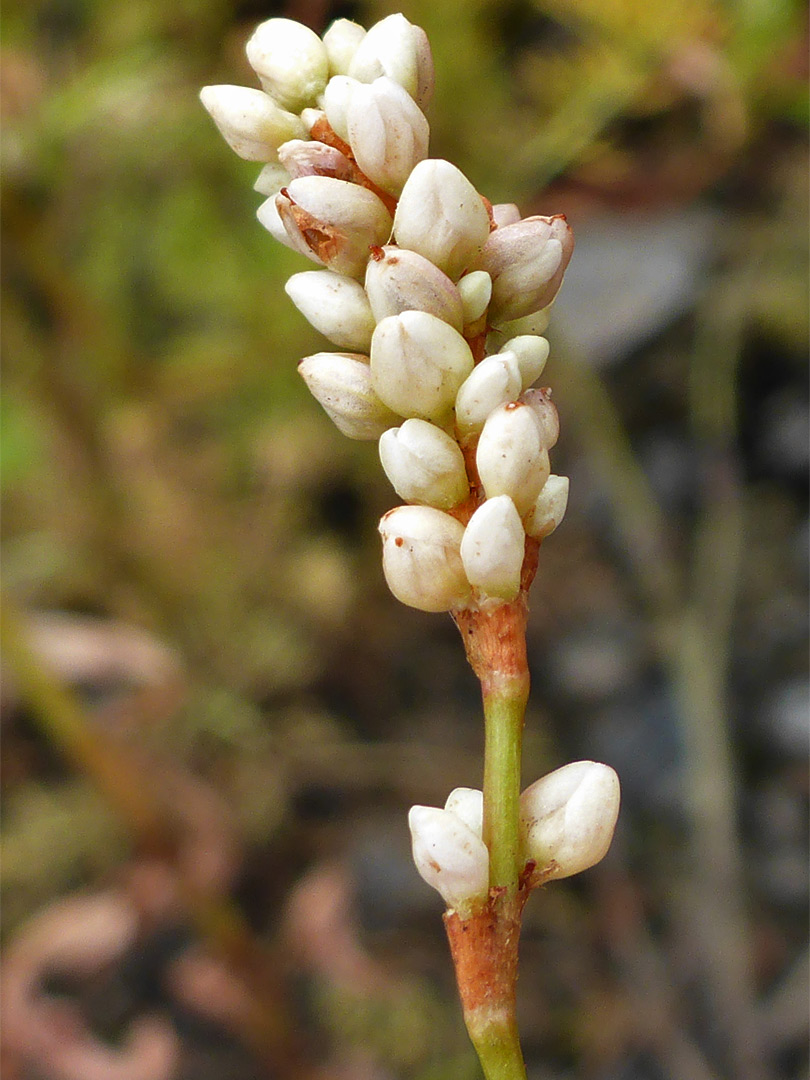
(388, 132)
(468, 804)
(418, 363)
(493, 382)
(399, 280)
(291, 62)
(424, 464)
(567, 818)
(476, 292)
(421, 559)
(337, 221)
(341, 41)
(442, 216)
(505, 214)
(400, 50)
(526, 261)
(341, 382)
(549, 508)
(335, 305)
(272, 178)
(336, 99)
(510, 457)
(449, 856)
(493, 547)
(250, 122)
(308, 157)
(531, 353)
(544, 409)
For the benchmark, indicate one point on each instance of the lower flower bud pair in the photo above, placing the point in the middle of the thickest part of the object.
(567, 820)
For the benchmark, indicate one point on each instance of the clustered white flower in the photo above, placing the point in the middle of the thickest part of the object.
(420, 276)
(437, 301)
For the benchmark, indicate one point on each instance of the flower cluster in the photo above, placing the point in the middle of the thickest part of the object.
(566, 823)
(435, 298)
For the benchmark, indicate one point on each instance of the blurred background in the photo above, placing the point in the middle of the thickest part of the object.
(214, 714)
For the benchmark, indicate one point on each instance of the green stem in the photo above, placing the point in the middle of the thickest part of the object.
(504, 710)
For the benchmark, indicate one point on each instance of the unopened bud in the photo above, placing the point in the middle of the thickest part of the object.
(341, 382)
(549, 508)
(493, 548)
(535, 323)
(290, 60)
(424, 464)
(251, 123)
(418, 363)
(421, 558)
(337, 221)
(468, 804)
(341, 41)
(526, 261)
(399, 280)
(476, 292)
(505, 214)
(493, 382)
(442, 216)
(400, 50)
(449, 856)
(544, 409)
(308, 157)
(567, 818)
(388, 132)
(272, 178)
(336, 99)
(510, 456)
(335, 305)
(531, 353)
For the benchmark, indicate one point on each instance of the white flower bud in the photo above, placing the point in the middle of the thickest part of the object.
(476, 291)
(442, 216)
(510, 457)
(341, 382)
(493, 382)
(400, 50)
(421, 559)
(399, 280)
(549, 509)
(336, 99)
(308, 157)
(468, 804)
(336, 221)
(341, 41)
(531, 353)
(536, 323)
(526, 261)
(493, 548)
(271, 179)
(311, 117)
(424, 464)
(251, 123)
(449, 856)
(567, 818)
(505, 214)
(335, 305)
(290, 60)
(418, 363)
(544, 409)
(388, 132)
